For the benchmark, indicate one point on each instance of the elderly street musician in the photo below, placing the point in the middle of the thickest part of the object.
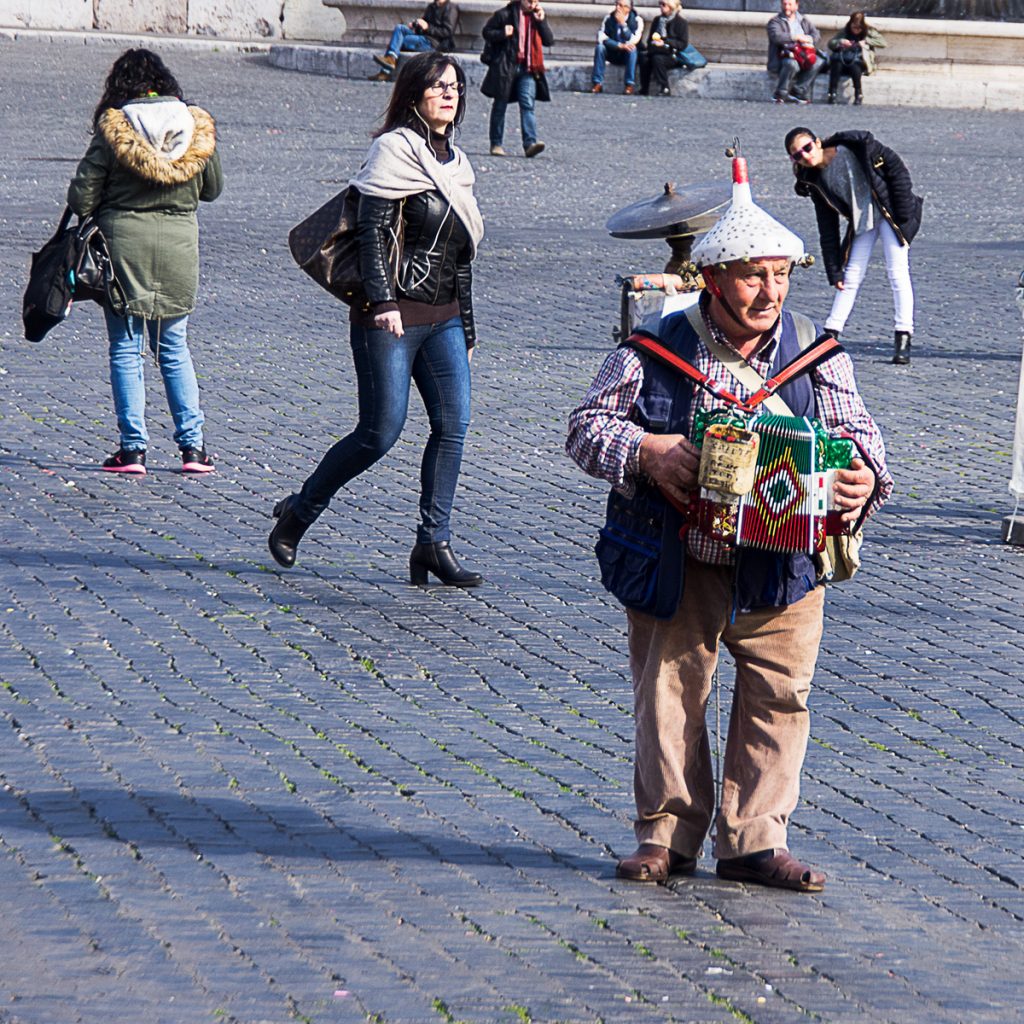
(721, 549)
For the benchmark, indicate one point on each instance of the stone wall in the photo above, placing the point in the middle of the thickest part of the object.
(232, 19)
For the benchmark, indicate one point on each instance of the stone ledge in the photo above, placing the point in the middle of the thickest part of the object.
(96, 37)
(920, 86)
(722, 36)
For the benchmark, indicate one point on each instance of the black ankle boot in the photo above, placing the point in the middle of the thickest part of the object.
(287, 532)
(441, 561)
(901, 349)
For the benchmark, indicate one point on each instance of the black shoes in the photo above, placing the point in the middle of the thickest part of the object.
(441, 561)
(287, 532)
(195, 460)
(901, 348)
(858, 100)
(126, 462)
(831, 98)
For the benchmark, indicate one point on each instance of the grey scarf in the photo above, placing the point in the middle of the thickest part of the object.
(401, 163)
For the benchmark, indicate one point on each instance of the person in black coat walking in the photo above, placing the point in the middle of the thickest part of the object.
(669, 35)
(514, 41)
(852, 176)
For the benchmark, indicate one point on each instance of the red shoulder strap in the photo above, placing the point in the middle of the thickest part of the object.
(642, 341)
(824, 348)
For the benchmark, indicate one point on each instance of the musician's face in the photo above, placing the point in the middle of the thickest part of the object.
(754, 293)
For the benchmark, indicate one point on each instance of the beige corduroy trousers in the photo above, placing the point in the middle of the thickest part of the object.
(673, 663)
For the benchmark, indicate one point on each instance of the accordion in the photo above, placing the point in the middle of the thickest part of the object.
(766, 481)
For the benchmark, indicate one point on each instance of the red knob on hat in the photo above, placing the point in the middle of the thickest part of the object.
(739, 171)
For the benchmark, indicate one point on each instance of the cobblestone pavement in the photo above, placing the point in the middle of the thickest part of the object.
(234, 793)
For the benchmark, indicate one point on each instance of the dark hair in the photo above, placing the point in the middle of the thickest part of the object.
(794, 133)
(858, 17)
(415, 76)
(135, 73)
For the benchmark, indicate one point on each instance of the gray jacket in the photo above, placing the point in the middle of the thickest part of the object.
(779, 37)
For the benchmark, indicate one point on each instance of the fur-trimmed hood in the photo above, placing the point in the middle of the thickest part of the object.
(153, 151)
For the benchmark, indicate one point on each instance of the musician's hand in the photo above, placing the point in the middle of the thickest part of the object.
(839, 286)
(469, 353)
(390, 322)
(852, 489)
(509, 30)
(671, 461)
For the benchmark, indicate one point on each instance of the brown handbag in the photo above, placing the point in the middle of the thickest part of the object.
(325, 246)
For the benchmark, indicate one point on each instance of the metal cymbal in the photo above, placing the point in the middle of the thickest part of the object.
(689, 210)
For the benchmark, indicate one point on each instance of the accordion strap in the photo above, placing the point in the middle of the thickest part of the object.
(643, 341)
(814, 352)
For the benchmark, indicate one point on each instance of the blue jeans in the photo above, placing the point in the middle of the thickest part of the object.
(611, 52)
(434, 356)
(405, 38)
(796, 80)
(167, 339)
(525, 92)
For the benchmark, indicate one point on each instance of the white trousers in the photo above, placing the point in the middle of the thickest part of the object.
(897, 263)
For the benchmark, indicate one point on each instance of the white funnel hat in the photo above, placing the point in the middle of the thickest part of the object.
(745, 231)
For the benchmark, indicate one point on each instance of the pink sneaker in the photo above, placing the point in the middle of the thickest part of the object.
(195, 460)
(126, 462)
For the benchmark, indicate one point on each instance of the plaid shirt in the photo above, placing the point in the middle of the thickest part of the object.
(604, 437)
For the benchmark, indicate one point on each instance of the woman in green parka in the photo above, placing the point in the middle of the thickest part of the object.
(151, 161)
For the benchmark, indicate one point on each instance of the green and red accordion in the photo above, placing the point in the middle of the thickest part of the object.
(766, 481)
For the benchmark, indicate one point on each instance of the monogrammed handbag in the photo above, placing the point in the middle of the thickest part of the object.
(325, 246)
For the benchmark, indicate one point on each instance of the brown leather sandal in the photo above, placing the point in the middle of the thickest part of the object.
(778, 869)
(653, 863)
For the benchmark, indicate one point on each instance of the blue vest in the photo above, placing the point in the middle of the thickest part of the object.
(640, 551)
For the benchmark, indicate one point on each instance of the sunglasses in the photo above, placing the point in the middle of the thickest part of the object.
(804, 150)
(439, 88)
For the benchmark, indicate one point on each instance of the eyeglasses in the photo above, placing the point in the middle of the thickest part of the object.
(439, 88)
(804, 150)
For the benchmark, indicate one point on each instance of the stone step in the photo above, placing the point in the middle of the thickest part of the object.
(912, 85)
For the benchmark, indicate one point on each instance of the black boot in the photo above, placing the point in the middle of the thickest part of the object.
(831, 98)
(287, 532)
(441, 561)
(901, 350)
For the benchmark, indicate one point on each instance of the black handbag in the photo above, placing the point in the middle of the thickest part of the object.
(73, 266)
(325, 246)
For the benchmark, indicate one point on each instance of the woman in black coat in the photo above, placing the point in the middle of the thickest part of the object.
(667, 37)
(852, 176)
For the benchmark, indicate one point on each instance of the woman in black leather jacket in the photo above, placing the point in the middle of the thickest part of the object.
(418, 227)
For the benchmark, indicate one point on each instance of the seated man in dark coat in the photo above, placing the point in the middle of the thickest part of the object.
(434, 31)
